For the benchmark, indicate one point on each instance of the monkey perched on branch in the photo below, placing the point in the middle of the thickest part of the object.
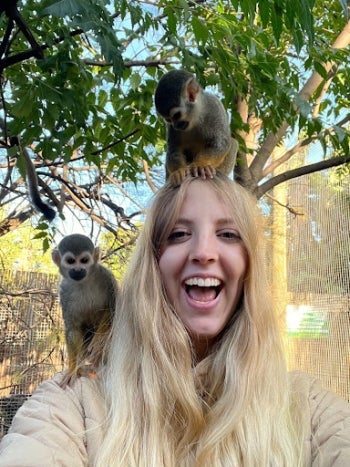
(88, 294)
(199, 140)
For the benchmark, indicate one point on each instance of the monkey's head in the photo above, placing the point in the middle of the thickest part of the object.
(176, 99)
(75, 256)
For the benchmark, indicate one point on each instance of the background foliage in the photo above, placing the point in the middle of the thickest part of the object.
(77, 85)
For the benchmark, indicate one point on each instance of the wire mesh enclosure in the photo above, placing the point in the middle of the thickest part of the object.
(318, 279)
(31, 337)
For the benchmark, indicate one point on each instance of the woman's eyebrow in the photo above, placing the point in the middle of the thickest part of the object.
(221, 221)
(184, 221)
(226, 221)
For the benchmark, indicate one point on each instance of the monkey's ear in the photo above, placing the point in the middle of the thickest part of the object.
(192, 90)
(97, 254)
(56, 257)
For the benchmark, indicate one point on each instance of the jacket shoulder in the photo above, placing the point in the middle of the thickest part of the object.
(329, 423)
(51, 427)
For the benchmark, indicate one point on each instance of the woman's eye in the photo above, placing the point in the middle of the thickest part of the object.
(230, 235)
(177, 235)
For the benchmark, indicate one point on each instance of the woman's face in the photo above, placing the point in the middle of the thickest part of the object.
(203, 265)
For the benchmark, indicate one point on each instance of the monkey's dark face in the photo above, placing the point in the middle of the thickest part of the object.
(76, 267)
(176, 99)
(179, 119)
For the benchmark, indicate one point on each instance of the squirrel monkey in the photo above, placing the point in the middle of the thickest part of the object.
(88, 294)
(199, 140)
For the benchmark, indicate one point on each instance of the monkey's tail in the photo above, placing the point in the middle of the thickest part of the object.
(42, 207)
(32, 182)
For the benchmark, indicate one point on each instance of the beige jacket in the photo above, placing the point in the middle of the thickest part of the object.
(62, 428)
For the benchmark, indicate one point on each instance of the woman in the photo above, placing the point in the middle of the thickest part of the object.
(195, 372)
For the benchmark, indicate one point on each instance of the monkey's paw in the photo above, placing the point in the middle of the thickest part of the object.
(203, 172)
(177, 177)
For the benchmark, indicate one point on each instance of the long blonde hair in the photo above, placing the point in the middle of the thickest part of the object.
(234, 408)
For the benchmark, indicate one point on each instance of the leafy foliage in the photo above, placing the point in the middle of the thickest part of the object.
(80, 92)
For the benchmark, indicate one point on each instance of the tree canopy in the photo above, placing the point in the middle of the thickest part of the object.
(78, 79)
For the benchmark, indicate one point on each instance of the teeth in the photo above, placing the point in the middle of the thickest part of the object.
(208, 282)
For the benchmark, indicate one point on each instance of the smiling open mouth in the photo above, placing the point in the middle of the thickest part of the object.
(203, 290)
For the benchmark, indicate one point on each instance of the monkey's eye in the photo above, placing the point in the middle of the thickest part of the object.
(85, 259)
(70, 260)
(177, 116)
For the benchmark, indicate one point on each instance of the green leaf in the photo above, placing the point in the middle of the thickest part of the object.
(135, 81)
(200, 30)
(40, 235)
(46, 244)
(305, 17)
(340, 132)
(249, 8)
(171, 19)
(12, 152)
(42, 226)
(319, 67)
(24, 106)
(62, 8)
(276, 21)
(298, 40)
(102, 98)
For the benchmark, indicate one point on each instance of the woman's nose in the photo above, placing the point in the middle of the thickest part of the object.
(203, 249)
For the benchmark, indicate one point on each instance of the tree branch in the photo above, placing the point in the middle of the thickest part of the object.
(307, 169)
(307, 91)
(288, 154)
(290, 209)
(21, 56)
(265, 151)
(241, 168)
(148, 177)
(131, 63)
(315, 80)
(99, 151)
(13, 222)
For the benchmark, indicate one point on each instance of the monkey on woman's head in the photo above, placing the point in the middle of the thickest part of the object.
(88, 294)
(198, 133)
